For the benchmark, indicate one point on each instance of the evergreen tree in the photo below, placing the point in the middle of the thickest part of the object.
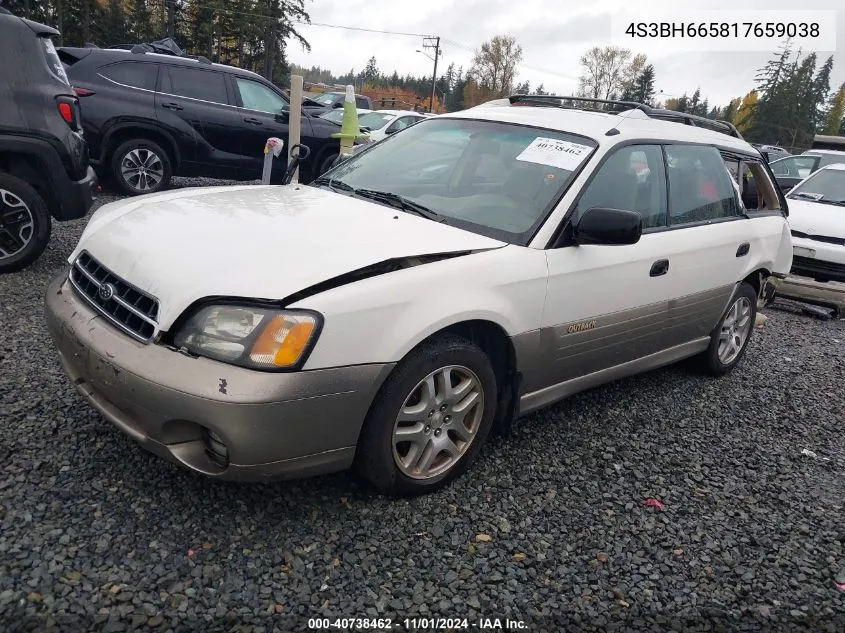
(836, 113)
(643, 91)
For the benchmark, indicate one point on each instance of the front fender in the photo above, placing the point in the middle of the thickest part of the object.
(382, 318)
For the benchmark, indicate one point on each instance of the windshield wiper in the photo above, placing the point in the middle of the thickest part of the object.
(806, 196)
(334, 184)
(400, 202)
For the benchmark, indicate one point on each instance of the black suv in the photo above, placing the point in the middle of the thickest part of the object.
(44, 168)
(149, 116)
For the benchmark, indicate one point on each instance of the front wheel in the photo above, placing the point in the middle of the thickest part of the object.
(729, 339)
(25, 224)
(430, 418)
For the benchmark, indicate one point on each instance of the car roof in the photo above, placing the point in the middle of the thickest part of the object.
(835, 152)
(118, 54)
(631, 125)
(396, 112)
(836, 166)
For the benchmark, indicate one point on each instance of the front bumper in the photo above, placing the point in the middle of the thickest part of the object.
(827, 260)
(273, 425)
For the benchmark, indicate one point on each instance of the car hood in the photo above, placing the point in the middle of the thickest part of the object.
(816, 218)
(262, 242)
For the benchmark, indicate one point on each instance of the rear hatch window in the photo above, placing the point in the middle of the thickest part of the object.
(53, 62)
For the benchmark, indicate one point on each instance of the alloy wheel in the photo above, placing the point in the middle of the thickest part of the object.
(438, 422)
(735, 330)
(142, 169)
(16, 224)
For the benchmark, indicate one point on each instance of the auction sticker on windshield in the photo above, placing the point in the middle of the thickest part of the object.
(555, 153)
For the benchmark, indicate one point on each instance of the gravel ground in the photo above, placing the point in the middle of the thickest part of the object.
(549, 527)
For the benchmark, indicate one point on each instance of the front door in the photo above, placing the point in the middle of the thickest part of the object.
(607, 305)
(264, 114)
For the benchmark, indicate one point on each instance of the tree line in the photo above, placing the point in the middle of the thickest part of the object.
(790, 102)
(251, 34)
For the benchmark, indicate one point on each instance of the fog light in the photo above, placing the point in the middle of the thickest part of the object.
(215, 448)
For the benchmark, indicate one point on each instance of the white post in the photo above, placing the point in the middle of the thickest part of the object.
(295, 121)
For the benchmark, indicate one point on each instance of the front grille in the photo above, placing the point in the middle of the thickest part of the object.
(818, 267)
(820, 238)
(131, 310)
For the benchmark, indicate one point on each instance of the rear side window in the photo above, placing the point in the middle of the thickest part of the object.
(133, 74)
(205, 85)
(700, 187)
(360, 102)
(53, 62)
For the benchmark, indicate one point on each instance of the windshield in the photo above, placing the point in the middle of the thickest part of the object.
(326, 99)
(826, 186)
(335, 116)
(374, 120)
(494, 178)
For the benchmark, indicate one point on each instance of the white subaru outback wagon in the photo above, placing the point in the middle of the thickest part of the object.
(472, 268)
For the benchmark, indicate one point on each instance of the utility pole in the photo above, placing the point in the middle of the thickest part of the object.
(433, 42)
(171, 17)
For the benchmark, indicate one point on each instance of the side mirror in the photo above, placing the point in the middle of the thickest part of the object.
(611, 227)
(338, 105)
(389, 131)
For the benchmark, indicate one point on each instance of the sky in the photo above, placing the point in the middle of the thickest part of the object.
(553, 35)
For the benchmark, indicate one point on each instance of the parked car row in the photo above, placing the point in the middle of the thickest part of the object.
(151, 116)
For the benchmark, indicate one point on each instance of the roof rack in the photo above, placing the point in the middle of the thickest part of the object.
(559, 101)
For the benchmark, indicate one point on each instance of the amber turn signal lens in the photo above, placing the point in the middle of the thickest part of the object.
(282, 341)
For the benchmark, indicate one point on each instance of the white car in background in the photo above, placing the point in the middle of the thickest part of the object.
(336, 115)
(817, 221)
(380, 124)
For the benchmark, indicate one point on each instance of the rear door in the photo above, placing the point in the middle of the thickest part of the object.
(195, 103)
(712, 240)
(264, 113)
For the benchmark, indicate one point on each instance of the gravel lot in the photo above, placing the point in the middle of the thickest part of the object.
(549, 527)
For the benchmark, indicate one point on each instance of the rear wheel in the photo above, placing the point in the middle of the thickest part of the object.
(430, 419)
(140, 166)
(729, 340)
(25, 224)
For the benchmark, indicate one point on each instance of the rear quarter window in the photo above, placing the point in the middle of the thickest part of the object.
(132, 74)
(53, 62)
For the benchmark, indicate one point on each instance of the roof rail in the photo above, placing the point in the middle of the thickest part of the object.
(559, 101)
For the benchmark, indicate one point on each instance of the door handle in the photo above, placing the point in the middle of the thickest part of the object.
(743, 249)
(658, 268)
(252, 121)
(172, 106)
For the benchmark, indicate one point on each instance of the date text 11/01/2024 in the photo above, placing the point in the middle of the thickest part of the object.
(414, 624)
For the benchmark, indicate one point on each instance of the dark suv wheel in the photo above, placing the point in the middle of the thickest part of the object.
(24, 224)
(140, 166)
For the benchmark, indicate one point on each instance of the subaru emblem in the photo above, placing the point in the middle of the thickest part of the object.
(105, 292)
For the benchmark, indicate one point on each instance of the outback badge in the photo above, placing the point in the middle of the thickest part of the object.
(581, 327)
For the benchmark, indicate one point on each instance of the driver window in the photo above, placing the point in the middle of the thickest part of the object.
(256, 96)
(633, 179)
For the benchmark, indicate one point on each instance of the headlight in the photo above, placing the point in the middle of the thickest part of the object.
(256, 338)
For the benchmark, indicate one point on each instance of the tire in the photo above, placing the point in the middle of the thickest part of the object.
(378, 456)
(148, 157)
(716, 360)
(25, 224)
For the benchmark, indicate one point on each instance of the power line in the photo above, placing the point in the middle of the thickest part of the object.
(358, 28)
